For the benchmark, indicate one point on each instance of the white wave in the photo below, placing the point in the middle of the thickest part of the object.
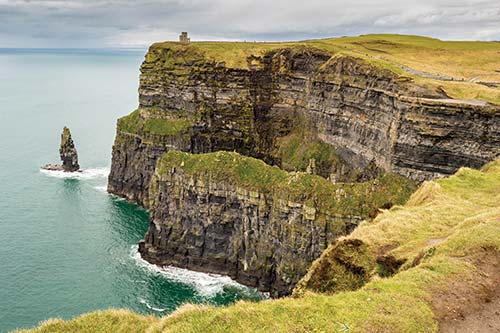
(103, 188)
(206, 284)
(93, 173)
(149, 306)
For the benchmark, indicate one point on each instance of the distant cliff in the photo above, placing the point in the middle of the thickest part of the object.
(346, 119)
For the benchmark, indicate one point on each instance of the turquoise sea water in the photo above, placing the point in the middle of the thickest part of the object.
(66, 246)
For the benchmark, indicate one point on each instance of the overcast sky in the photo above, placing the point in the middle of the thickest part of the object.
(135, 23)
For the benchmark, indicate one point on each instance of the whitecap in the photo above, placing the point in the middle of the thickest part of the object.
(149, 306)
(92, 173)
(206, 284)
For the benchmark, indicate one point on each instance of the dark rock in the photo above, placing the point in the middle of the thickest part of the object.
(68, 153)
(69, 156)
(262, 237)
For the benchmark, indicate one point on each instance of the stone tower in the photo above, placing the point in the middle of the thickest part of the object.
(183, 38)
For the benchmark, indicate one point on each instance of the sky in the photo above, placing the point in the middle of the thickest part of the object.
(137, 24)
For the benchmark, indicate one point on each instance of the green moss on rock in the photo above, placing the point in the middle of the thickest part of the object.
(166, 127)
(298, 149)
(130, 123)
(253, 174)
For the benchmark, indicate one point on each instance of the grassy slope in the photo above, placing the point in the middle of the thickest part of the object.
(461, 60)
(109, 321)
(454, 222)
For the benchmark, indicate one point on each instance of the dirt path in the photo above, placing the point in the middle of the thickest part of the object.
(485, 320)
(456, 101)
(428, 75)
(472, 306)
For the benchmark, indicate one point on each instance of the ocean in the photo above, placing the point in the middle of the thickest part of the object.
(66, 246)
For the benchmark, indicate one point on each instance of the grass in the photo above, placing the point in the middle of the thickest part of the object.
(135, 123)
(437, 211)
(461, 211)
(232, 54)
(476, 61)
(361, 199)
(297, 149)
(166, 127)
(109, 321)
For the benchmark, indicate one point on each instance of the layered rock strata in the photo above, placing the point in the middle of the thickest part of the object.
(299, 108)
(373, 119)
(229, 214)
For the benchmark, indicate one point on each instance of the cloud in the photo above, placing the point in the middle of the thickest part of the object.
(134, 23)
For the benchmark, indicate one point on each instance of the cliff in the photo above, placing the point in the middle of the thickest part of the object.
(344, 117)
(444, 239)
(234, 215)
(311, 135)
(289, 104)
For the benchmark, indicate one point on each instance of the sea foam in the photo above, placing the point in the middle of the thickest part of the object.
(205, 284)
(149, 306)
(92, 173)
(103, 188)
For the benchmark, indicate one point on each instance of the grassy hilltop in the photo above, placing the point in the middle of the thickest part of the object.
(465, 70)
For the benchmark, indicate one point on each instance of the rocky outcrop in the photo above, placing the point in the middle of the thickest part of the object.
(67, 151)
(228, 214)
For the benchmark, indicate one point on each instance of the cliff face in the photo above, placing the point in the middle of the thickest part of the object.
(373, 115)
(369, 117)
(298, 108)
(436, 138)
(228, 214)
(134, 160)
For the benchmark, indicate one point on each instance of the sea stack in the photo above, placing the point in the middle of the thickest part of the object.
(67, 151)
